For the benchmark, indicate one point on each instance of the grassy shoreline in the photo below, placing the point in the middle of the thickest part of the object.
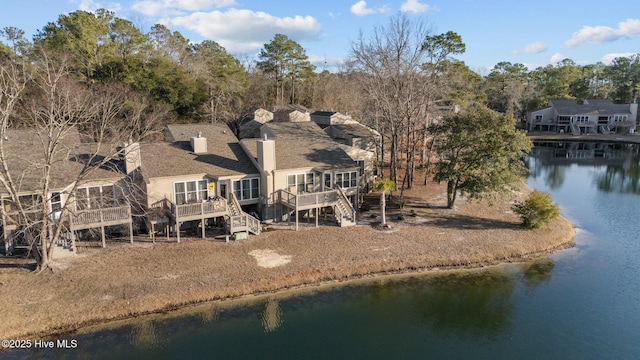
(125, 281)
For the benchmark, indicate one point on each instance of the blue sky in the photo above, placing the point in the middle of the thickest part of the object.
(534, 33)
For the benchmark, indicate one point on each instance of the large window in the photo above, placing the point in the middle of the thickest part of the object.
(95, 197)
(347, 179)
(247, 189)
(302, 182)
(190, 191)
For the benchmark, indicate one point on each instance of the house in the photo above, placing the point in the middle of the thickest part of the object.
(249, 125)
(200, 173)
(292, 113)
(327, 118)
(590, 117)
(94, 200)
(303, 169)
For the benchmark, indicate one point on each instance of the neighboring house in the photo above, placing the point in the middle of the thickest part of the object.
(326, 118)
(303, 169)
(249, 126)
(97, 200)
(590, 117)
(201, 173)
(291, 113)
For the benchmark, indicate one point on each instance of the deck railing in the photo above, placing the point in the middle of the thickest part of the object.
(307, 199)
(97, 217)
(201, 208)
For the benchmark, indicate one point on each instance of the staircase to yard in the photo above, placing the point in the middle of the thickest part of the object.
(240, 220)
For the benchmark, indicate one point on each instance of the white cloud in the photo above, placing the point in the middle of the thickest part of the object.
(174, 7)
(556, 58)
(600, 34)
(414, 6)
(533, 48)
(607, 59)
(244, 31)
(92, 5)
(360, 9)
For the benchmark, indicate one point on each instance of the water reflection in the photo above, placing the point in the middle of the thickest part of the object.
(144, 336)
(271, 316)
(551, 159)
(476, 304)
(621, 179)
(537, 272)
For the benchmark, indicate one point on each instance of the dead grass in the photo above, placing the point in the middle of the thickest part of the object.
(126, 280)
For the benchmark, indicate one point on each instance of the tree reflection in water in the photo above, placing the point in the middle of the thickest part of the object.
(537, 272)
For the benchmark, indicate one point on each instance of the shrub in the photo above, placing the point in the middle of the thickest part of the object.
(537, 210)
(413, 213)
(365, 207)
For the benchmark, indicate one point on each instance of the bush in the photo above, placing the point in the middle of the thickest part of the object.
(365, 207)
(537, 210)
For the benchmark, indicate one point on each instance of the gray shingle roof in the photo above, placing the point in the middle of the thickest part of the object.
(594, 107)
(355, 130)
(224, 156)
(24, 151)
(301, 145)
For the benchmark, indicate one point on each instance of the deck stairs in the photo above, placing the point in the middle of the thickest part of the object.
(575, 129)
(64, 246)
(344, 212)
(604, 129)
(240, 220)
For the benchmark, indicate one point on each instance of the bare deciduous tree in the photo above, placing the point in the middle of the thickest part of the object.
(74, 135)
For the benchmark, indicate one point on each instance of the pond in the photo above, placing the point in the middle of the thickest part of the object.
(581, 303)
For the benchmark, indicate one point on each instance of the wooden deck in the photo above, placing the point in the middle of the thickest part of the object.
(87, 219)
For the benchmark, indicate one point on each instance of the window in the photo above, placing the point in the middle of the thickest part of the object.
(301, 182)
(190, 191)
(247, 189)
(328, 184)
(95, 197)
(347, 179)
(538, 118)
